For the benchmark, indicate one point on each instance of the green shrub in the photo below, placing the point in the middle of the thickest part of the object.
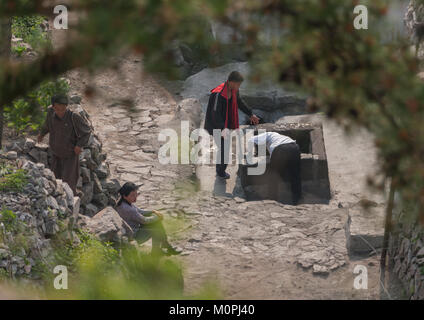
(28, 28)
(3, 274)
(13, 224)
(12, 179)
(96, 270)
(18, 50)
(30, 112)
(8, 218)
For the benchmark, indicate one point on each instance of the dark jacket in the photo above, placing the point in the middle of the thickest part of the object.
(215, 119)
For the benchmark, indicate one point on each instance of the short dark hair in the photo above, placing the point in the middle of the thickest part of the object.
(235, 76)
(60, 98)
(127, 188)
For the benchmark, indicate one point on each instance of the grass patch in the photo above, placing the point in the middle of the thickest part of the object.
(12, 179)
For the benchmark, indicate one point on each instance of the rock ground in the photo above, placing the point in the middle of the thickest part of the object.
(254, 250)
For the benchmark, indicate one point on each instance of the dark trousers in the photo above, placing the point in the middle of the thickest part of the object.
(67, 169)
(285, 163)
(156, 232)
(224, 158)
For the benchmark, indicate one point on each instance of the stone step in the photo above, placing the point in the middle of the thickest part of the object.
(365, 228)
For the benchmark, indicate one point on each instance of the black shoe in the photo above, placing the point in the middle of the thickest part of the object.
(225, 176)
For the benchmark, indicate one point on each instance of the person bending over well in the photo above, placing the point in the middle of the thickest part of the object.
(145, 224)
(285, 159)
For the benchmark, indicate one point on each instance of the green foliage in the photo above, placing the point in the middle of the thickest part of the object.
(18, 50)
(8, 218)
(30, 112)
(99, 271)
(18, 228)
(20, 245)
(28, 28)
(12, 179)
(3, 274)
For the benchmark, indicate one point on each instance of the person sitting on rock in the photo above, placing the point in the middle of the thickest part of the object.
(285, 158)
(145, 224)
(69, 133)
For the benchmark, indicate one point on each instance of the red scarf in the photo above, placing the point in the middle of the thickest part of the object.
(223, 88)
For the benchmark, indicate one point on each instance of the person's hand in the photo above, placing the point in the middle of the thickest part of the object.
(77, 150)
(254, 120)
(40, 138)
(159, 215)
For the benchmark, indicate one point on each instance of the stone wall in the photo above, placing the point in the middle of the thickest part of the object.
(406, 258)
(95, 189)
(44, 207)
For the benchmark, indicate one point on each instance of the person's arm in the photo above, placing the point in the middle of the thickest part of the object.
(254, 140)
(83, 130)
(243, 106)
(145, 219)
(261, 138)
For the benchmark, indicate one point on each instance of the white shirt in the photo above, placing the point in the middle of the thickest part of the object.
(272, 140)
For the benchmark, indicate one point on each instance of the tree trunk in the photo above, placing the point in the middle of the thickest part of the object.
(387, 230)
(5, 48)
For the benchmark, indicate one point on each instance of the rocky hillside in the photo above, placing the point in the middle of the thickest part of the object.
(97, 191)
(35, 207)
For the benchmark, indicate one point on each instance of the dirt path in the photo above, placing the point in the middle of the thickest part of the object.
(253, 250)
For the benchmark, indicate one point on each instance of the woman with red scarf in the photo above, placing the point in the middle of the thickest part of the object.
(222, 113)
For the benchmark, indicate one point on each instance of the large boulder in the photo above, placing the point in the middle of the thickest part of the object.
(187, 110)
(107, 225)
(268, 99)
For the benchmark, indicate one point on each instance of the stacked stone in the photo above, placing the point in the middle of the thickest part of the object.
(96, 190)
(406, 252)
(413, 19)
(43, 205)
